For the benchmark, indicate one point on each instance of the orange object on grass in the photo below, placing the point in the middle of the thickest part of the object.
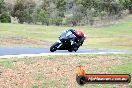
(80, 71)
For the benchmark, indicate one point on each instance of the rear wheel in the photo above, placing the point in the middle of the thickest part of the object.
(54, 46)
(70, 50)
(75, 47)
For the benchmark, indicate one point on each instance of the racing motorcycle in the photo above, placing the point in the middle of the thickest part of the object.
(65, 42)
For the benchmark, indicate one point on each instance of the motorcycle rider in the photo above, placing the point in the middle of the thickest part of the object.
(79, 37)
(69, 40)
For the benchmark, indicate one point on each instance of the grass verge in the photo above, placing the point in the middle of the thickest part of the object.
(117, 36)
(60, 71)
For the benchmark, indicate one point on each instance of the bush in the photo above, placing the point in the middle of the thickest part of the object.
(5, 18)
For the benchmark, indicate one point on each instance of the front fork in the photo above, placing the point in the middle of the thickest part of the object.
(59, 44)
(74, 46)
(72, 42)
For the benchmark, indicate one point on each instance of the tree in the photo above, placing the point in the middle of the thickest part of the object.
(60, 6)
(74, 12)
(18, 10)
(29, 7)
(112, 7)
(24, 10)
(43, 17)
(127, 5)
(68, 12)
(5, 18)
(2, 3)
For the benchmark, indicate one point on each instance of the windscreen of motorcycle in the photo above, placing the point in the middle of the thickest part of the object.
(67, 35)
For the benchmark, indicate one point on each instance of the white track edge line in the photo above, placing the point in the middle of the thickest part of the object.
(53, 54)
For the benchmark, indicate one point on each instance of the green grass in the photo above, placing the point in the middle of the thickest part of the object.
(39, 76)
(6, 63)
(48, 83)
(35, 86)
(117, 36)
(124, 68)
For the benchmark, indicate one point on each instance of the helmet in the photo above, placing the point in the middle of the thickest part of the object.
(79, 33)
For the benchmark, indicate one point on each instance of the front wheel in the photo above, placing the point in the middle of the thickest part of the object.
(54, 46)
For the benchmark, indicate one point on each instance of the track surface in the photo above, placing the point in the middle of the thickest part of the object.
(19, 51)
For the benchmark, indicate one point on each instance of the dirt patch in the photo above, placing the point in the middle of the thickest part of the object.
(53, 72)
(12, 41)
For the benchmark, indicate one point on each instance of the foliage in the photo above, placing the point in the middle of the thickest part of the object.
(5, 18)
(65, 12)
(18, 10)
(127, 4)
(28, 11)
(23, 10)
(57, 21)
(60, 5)
(1, 5)
(43, 17)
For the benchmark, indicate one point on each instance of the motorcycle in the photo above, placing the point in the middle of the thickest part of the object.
(65, 42)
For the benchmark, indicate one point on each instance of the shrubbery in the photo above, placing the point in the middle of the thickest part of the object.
(63, 12)
(5, 18)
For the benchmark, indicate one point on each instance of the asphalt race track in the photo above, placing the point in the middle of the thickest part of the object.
(10, 52)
